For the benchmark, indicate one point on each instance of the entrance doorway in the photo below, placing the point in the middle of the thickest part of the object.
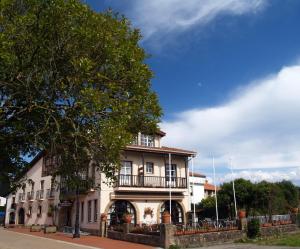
(21, 216)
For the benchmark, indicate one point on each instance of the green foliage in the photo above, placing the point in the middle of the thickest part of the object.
(73, 82)
(174, 247)
(258, 198)
(253, 228)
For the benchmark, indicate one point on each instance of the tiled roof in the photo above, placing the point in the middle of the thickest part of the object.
(197, 174)
(210, 187)
(163, 149)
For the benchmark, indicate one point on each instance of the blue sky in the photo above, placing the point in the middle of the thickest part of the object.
(226, 72)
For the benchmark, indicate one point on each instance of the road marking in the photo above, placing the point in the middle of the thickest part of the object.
(59, 241)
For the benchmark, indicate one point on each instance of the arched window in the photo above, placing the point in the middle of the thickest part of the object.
(176, 211)
(118, 209)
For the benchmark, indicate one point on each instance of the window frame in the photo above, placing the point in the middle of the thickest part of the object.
(151, 164)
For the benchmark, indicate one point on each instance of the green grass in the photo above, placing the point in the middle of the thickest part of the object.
(282, 240)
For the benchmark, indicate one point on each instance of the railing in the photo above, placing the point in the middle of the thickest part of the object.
(50, 193)
(69, 191)
(21, 197)
(30, 196)
(273, 220)
(150, 181)
(206, 226)
(40, 194)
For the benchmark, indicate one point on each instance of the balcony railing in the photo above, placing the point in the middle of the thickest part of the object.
(70, 191)
(39, 195)
(21, 197)
(150, 181)
(50, 193)
(30, 196)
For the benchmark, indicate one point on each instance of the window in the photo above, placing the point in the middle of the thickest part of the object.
(82, 211)
(125, 173)
(49, 163)
(39, 210)
(149, 168)
(30, 210)
(171, 171)
(147, 140)
(42, 184)
(89, 211)
(191, 190)
(95, 210)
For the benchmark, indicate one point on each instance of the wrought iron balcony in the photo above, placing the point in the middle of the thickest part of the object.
(50, 193)
(39, 195)
(30, 196)
(84, 187)
(21, 197)
(150, 181)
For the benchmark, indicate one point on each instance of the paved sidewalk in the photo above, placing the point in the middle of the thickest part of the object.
(22, 238)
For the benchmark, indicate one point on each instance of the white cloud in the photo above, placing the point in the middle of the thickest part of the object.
(157, 18)
(260, 175)
(259, 127)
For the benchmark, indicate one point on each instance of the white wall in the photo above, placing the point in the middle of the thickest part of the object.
(197, 187)
(2, 201)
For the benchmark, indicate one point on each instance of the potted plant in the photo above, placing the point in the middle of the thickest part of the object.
(166, 217)
(103, 217)
(127, 218)
(294, 210)
(242, 213)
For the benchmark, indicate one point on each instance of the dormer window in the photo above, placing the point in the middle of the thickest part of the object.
(147, 140)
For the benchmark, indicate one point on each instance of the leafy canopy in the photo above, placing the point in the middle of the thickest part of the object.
(73, 82)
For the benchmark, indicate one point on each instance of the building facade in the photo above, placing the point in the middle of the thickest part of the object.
(142, 188)
(197, 182)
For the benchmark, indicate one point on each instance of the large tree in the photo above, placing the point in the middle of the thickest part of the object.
(73, 82)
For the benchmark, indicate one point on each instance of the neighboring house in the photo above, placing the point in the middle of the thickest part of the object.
(2, 201)
(197, 182)
(142, 189)
(209, 189)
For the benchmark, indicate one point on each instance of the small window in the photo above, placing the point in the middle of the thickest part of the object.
(82, 211)
(39, 210)
(149, 168)
(95, 210)
(89, 211)
(191, 190)
(147, 140)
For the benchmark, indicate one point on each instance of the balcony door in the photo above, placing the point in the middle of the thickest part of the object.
(171, 181)
(126, 173)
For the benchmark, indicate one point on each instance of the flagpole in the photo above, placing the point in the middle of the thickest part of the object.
(170, 189)
(233, 188)
(216, 198)
(193, 184)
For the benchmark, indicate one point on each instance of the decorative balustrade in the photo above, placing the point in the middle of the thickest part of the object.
(150, 181)
(30, 196)
(39, 194)
(50, 193)
(21, 197)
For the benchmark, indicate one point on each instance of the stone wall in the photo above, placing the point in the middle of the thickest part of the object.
(135, 238)
(277, 230)
(205, 239)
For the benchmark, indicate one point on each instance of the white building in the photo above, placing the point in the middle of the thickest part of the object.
(2, 201)
(197, 182)
(142, 189)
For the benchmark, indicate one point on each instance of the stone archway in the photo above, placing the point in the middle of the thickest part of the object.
(117, 209)
(177, 211)
(21, 216)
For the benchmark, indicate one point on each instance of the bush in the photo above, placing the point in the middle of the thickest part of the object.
(253, 228)
(174, 247)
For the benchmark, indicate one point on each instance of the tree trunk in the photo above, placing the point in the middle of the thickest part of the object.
(77, 228)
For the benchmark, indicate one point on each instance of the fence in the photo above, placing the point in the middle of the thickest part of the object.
(273, 220)
(205, 226)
